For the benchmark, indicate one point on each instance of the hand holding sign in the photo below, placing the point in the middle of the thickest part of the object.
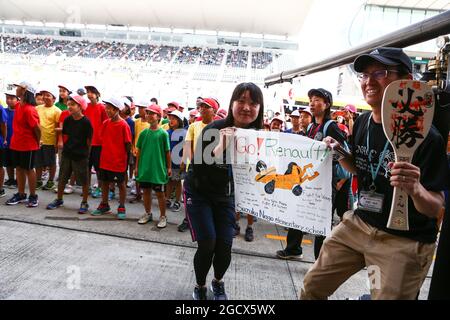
(407, 113)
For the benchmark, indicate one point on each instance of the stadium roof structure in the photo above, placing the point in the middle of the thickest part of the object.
(413, 4)
(285, 18)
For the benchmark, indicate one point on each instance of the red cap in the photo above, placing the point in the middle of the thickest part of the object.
(208, 101)
(155, 109)
(350, 108)
(222, 113)
(80, 101)
(175, 104)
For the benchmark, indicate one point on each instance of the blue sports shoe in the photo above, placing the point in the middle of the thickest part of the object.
(218, 289)
(55, 204)
(84, 208)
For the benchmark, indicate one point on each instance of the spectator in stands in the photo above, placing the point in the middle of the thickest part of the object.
(49, 121)
(25, 143)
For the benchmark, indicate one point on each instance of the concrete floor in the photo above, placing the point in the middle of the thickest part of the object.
(62, 255)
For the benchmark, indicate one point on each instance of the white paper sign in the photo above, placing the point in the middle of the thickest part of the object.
(284, 179)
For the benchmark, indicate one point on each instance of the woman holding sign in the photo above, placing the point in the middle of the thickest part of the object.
(209, 189)
(320, 102)
(397, 261)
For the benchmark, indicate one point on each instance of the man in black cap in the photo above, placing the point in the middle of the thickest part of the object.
(397, 261)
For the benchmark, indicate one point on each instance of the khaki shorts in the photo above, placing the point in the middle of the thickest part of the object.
(78, 167)
(396, 266)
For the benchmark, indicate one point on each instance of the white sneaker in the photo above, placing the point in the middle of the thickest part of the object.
(68, 189)
(145, 218)
(162, 222)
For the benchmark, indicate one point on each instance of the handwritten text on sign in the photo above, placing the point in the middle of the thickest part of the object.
(284, 179)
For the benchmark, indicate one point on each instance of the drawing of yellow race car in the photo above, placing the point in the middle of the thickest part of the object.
(292, 179)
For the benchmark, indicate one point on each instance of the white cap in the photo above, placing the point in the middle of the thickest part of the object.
(177, 114)
(307, 110)
(295, 113)
(11, 93)
(65, 86)
(27, 86)
(53, 91)
(116, 102)
(279, 118)
(126, 101)
(141, 103)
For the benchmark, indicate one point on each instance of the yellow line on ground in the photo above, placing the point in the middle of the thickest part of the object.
(281, 238)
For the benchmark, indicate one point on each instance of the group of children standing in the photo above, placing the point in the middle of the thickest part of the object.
(103, 135)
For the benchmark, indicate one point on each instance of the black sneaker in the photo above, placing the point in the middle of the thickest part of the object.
(13, 184)
(237, 230)
(249, 234)
(33, 201)
(218, 289)
(2, 193)
(199, 293)
(283, 254)
(183, 226)
(16, 199)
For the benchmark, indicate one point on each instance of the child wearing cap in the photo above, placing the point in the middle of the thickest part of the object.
(78, 131)
(96, 114)
(177, 133)
(125, 114)
(62, 139)
(3, 142)
(64, 93)
(153, 164)
(139, 125)
(46, 157)
(25, 143)
(276, 124)
(116, 144)
(11, 101)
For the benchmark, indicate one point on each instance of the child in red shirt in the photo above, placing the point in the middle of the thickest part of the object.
(24, 144)
(116, 145)
(96, 114)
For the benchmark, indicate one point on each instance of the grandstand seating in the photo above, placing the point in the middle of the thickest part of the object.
(196, 63)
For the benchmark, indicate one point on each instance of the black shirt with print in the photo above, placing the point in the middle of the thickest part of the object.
(429, 157)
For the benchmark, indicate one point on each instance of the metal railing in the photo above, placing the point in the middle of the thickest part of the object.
(416, 33)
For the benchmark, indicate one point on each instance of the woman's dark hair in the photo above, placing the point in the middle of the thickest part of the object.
(256, 95)
(28, 98)
(327, 112)
(154, 100)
